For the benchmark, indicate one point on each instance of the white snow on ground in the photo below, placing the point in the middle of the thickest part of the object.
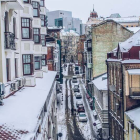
(83, 126)
(69, 95)
(91, 112)
(61, 122)
(65, 70)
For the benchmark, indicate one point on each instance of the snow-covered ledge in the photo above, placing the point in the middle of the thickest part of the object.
(30, 81)
(38, 74)
(45, 68)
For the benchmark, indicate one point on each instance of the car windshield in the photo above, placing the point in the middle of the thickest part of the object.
(76, 86)
(82, 115)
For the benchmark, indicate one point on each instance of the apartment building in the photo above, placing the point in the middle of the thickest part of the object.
(123, 66)
(27, 88)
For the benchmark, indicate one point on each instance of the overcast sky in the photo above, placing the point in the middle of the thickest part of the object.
(81, 8)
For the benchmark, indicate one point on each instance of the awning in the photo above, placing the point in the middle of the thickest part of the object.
(134, 71)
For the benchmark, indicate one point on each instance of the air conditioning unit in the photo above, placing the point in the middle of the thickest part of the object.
(20, 82)
(14, 86)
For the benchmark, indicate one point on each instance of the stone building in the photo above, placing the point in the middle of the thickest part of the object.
(105, 37)
(80, 52)
(123, 70)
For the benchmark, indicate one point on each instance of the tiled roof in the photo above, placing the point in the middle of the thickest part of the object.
(7, 133)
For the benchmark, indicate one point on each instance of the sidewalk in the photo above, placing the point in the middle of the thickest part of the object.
(89, 111)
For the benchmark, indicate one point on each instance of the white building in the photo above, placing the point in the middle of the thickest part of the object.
(101, 104)
(28, 111)
(64, 19)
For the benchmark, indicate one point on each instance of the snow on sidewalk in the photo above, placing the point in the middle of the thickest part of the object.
(61, 121)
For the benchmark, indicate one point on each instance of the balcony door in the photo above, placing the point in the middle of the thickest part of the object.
(8, 69)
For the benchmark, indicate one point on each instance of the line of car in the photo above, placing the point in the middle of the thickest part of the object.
(79, 102)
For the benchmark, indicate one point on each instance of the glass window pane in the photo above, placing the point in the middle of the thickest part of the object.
(43, 42)
(37, 65)
(41, 3)
(25, 32)
(27, 69)
(35, 12)
(43, 63)
(36, 38)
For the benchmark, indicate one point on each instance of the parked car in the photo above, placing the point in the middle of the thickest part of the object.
(81, 108)
(78, 103)
(78, 95)
(82, 117)
(74, 79)
(76, 87)
(77, 72)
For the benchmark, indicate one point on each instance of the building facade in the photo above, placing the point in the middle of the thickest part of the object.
(24, 78)
(123, 66)
(64, 19)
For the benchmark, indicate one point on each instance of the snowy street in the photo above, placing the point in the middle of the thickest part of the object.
(68, 122)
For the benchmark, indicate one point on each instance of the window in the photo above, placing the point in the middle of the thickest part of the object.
(6, 22)
(59, 22)
(14, 26)
(43, 60)
(35, 9)
(26, 25)
(42, 3)
(16, 67)
(42, 20)
(26, 1)
(37, 63)
(43, 42)
(27, 64)
(36, 35)
(8, 69)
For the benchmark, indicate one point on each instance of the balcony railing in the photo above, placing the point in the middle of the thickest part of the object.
(10, 41)
(135, 92)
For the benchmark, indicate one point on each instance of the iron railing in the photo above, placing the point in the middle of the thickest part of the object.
(134, 91)
(10, 41)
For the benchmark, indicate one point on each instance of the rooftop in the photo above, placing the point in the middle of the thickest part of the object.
(134, 116)
(19, 116)
(101, 82)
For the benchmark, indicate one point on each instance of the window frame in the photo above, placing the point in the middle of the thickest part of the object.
(40, 62)
(44, 59)
(43, 39)
(28, 27)
(36, 8)
(36, 35)
(43, 3)
(31, 64)
(44, 25)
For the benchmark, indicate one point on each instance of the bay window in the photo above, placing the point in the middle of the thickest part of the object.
(43, 42)
(27, 64)
(36, 8)
(36, 35)
(37, 62)
(42, 17)
(26, 26)
(42, 3)
(44, 61)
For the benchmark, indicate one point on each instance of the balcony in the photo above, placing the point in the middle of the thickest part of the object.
(10, 41)
(135, 92)
(14, 4)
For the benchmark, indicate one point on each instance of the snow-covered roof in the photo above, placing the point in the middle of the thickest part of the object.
(134, 115)
(70, 33)
(134, 29)
(134, 71)
(101, 82)
(19, 116)
(129, 43)
(125, 19)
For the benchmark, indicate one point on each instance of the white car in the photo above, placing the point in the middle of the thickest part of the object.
(78, 95)
(78, 103)
(82, 117)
